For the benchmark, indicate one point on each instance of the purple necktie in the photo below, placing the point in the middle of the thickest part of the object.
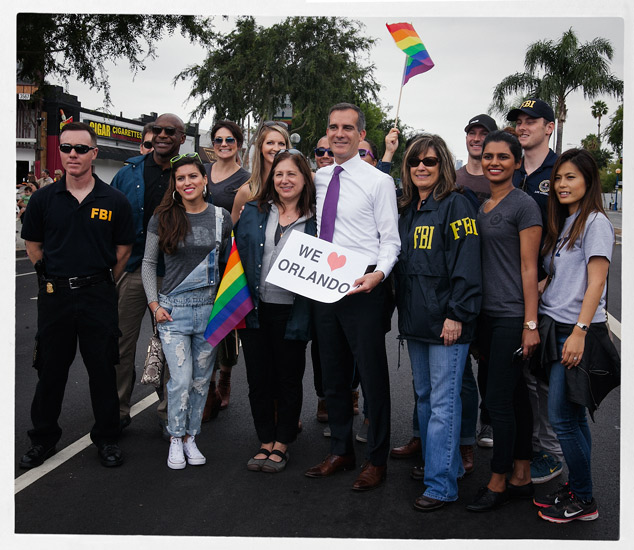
(329, 211)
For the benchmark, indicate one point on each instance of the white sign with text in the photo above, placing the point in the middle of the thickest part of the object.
(316, 269)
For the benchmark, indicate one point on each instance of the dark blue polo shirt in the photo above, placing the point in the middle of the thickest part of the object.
(78, 239)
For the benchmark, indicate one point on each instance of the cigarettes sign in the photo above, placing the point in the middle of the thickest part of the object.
(316, 269)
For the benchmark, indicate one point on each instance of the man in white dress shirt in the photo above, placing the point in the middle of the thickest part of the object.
(353, 328)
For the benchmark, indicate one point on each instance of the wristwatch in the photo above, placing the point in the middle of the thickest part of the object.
(530, 325)
(582, 326)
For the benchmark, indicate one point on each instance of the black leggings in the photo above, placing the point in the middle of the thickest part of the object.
(275, 369)
(506, 393)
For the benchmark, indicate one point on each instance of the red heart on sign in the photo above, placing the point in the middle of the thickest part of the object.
(335, 261)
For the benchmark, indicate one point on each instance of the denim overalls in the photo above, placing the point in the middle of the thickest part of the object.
(189, 356)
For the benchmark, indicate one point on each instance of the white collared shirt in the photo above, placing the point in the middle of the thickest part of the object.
(367, 217)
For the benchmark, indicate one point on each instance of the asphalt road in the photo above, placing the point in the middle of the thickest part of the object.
(223, 499)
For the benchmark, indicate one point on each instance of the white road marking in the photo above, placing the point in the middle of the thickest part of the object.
(23, 274)
(31, 476)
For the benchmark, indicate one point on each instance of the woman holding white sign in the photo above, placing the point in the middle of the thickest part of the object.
(277, 329)
(438, 295)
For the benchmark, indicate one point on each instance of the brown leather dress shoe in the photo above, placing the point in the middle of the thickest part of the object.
(332, 464)
(371, 477)
(411, 449)
(322, 411)
(466, 451)
(427, 504)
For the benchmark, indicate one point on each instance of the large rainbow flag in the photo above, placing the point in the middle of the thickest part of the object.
(418, 60)
(233, 300)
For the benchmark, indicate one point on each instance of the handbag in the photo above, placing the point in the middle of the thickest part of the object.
(154, 360)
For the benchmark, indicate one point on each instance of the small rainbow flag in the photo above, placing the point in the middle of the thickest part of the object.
(233, 300)
(418, 60)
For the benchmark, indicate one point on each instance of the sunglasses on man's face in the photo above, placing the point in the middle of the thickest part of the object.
(227, 140)
(364, 152)
(80, 149)
(321, 151)
(147, 144)
(414, 162)
(169, 130)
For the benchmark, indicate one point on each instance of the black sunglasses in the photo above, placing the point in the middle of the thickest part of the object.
(169, 130)
(147, 144)
(81, 149)
(414, 162)
(321, 151)
(228, 140)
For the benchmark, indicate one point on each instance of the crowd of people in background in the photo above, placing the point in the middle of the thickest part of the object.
(500, 266)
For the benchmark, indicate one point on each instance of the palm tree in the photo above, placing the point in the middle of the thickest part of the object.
(553, 70)
(599, 109)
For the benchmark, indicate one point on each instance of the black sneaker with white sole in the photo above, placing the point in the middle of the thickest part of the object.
(570, 509)
(553, 498)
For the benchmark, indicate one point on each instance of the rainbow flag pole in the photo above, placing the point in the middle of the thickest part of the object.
(417, 58)
(233, 300)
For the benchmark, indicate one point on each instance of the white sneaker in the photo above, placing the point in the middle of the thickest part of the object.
(194, 456)
(176, 458)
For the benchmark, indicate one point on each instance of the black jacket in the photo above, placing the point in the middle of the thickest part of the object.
(438, 274)
(599, 371)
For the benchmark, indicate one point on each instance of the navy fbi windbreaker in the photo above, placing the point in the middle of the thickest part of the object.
(438, 274)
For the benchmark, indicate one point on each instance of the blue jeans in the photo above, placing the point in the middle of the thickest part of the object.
(189, 356)
(571, 426)
(437, 372)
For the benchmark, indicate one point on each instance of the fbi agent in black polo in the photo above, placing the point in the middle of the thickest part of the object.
(78, 233)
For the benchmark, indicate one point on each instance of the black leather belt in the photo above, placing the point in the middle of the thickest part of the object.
(79, 282)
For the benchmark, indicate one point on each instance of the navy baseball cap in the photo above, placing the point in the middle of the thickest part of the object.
(535, 108)
(482, 120)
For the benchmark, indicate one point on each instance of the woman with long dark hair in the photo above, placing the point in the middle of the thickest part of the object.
(509, 223)
(577, 252)
(278, 329)
(192, 234)
(226, 176)
(438, 294)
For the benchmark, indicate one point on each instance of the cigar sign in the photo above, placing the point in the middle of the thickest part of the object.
(316, 269)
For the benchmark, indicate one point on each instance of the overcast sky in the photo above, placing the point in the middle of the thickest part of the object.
(471, 54)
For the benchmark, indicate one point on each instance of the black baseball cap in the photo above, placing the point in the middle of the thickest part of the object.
(535, 108)
(482, 120)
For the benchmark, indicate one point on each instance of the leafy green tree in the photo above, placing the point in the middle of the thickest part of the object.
(614, 131)
(553, 70)
(78, 45)
(314, 62)
(593, 144)
(599, 109)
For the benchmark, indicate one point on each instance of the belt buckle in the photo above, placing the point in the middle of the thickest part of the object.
(72, 283)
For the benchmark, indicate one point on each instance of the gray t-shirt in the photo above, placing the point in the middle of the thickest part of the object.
(193, 250)
(478, 184)
(502, 294)
(223, 193)
(564, 295)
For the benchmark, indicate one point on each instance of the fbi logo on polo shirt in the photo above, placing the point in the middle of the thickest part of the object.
(544, 186)
(101, 214)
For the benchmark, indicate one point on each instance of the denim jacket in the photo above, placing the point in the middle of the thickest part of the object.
(250, 233)
(129, 180)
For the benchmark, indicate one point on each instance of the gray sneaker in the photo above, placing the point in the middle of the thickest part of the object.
(362, 434)
(485, 436)
(327, 431)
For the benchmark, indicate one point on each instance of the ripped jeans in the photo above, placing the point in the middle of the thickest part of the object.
(189, 356)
